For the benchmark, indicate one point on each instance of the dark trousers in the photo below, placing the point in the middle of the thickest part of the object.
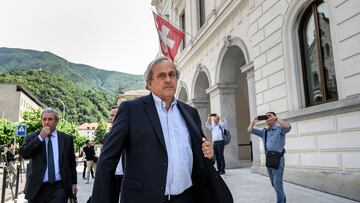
(116, 187)
(184, 197)
(50, 193)
(91, 170)
(219, 155)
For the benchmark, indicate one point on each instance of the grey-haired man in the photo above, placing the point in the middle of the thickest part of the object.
(51, 174)
(167, 156)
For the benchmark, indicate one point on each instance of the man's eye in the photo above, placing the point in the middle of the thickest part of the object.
(161, 75)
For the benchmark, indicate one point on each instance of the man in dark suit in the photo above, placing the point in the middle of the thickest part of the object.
(51, 174)
(167, 156)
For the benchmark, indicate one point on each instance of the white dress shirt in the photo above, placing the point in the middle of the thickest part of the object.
(55, 146)
(177, 140)
(119, 169)
(216, 132)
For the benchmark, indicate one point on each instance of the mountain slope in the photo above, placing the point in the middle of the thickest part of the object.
(84, 75)
(82, 104)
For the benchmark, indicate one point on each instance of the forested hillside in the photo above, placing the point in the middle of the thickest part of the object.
(82, 104)
(81, 74)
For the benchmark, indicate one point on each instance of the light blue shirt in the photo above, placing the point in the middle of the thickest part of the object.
(177, 140)
(275, 137)
(216, 132)
(55, 146)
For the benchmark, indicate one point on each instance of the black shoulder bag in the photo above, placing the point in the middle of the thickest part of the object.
(272, 157)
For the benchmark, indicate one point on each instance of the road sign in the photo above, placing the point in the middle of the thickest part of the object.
(21, 130)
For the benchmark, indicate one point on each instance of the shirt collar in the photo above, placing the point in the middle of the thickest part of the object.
(273, 127)
(54, 134)
(159, 102)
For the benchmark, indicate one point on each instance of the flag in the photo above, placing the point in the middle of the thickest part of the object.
(169, 36)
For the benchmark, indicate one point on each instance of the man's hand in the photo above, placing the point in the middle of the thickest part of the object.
(207, 149)
(45, 131)
(74, 189)
(254, 120)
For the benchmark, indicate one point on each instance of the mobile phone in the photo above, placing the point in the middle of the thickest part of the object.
(213, 114)
(262, 117)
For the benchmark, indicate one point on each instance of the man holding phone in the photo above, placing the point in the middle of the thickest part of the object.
(52, 169)
(274, 139)
(215, 123)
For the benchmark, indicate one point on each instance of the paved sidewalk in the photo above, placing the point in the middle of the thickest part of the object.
(245, 187)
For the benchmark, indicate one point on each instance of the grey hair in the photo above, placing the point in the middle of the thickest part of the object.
(50, 110)
(149, 71)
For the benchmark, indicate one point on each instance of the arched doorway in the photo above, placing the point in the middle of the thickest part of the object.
(233, 92)
(183, 93)
(201, 100)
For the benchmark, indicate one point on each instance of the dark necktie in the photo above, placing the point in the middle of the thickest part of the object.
(51, 165)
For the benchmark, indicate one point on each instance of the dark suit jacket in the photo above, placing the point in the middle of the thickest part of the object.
(137, 131)
(35, 150)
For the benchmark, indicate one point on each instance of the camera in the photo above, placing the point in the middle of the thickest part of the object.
(213, 114)
(262, 117)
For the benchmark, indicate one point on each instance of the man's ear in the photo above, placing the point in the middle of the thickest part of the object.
(148, 84)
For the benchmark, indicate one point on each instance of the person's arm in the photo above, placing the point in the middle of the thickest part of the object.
(31, 144)
(285, 125)
(110, 155)
(206, 146)
(222, 121)
(208, 123)
(255, 131)
(73, 166)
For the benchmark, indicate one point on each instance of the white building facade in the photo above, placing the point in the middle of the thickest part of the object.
(15, 100)
(298, 58)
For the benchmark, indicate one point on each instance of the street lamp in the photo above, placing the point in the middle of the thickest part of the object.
(63, 106)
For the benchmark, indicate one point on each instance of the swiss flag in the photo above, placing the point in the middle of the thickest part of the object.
(169, 36)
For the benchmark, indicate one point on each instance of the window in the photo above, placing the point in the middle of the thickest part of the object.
(182, 26)
(317, 55)
(201, 7)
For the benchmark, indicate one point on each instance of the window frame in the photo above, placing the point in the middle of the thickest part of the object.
(201, 10)
(312, 10)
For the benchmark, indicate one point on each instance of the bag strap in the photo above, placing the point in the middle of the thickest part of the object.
(222, 130)
(265, 140)
(266, 132)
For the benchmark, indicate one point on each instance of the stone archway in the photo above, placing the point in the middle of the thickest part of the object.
(182, 92)
(201, 100)
(232, 96)
(183, 95)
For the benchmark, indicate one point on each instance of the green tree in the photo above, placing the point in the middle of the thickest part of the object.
(71, 129)
(32, 120)
(7, 132)
(100, 132)
(83, 103)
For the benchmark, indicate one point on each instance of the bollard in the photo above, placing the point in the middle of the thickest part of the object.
(4, 183)
(17, 181)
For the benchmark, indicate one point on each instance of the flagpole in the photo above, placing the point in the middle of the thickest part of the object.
(174, 24)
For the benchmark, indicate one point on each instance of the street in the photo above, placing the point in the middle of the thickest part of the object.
(245, 187)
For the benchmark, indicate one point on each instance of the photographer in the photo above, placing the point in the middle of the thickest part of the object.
(274, 142)
(216, 125)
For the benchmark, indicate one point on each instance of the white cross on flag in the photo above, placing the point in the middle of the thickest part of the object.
(169, 36)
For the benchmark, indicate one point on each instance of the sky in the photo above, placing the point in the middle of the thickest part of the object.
(115, 35)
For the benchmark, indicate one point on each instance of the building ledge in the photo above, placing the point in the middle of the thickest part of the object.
(341, 106)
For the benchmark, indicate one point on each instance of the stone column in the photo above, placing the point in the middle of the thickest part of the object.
(250, 77)
(203, 108)
(222, 101)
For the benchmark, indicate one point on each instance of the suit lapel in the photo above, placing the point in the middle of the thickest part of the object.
(190, 123)
(153, 117)
(43, 146)
(60, 144)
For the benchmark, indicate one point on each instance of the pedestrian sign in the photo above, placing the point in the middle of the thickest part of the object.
(21, 130)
